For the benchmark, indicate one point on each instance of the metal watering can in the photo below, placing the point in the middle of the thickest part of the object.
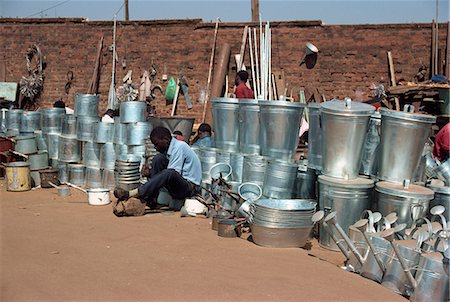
(431, 282)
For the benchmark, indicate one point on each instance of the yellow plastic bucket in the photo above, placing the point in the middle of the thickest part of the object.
(18, 176)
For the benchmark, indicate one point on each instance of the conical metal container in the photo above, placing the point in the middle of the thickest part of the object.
(93, 177)
(108, 156)
(279, 128)
(249, 126)
(226, 123)
(314, 137)
(183, 124)
(406, 200)
(53, 145)
(237, 165)
(120, 132)
(132, 112)
(207, 159)
(344, 128)
(403, 136)
(349, 198)
(86, 105)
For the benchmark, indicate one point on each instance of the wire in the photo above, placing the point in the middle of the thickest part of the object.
(56, 5)
(120, 8)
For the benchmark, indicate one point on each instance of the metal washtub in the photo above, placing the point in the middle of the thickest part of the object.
(314, 137)
(132, 112)
(26, 144)
(279, 179)
(69, 149)
(104, 132)
(370, 154)
(30, 121)
(349, 198)
(86, 105)
(226, 123)
(86, 127)
(406, 200)
(91, 156)
(254, 169)
(344, 128)
(281, 223)
(249, 126)
(403, 131)
(52, 119)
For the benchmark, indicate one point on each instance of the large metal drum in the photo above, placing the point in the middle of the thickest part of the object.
(120, 132)
(69, 125)
(254, 169)
(370, 154)
(132, 112)
(407, 201)
(403, 136)
(279, 179)
(349, 198)
(183, 124)
(279, 128)
(441, 197)
(314, 137)
(13, 118)
(137, 133)
(76, 174)
(104, 132)
(69, 149)
(18, 177)
(30, 121)
(86, 127)
(305, 183)
(226, 123)
(344, 128)
(249, 126)
(52, 119)
(86, 105)
(91, 156)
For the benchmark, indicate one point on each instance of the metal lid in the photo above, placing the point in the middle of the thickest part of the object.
(361, 183)
(281, 104)
(394, 188)
(441, 189)
(416, 117)
(347, 107)
(224, 100)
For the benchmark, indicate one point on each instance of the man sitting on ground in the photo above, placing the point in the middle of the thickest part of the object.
(179, 171)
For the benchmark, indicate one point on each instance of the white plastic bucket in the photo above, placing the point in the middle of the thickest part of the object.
(98, 197)
(193, 206)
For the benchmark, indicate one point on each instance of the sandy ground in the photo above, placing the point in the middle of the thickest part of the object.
(62, 249)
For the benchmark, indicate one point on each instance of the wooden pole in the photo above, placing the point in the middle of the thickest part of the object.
(392, 76)
(447, 56)
(255, 10)
(433, 45)
(211, 61)
(242, 52)
(127, 13)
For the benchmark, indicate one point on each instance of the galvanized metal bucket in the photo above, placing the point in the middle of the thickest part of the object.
(344, 128)
(305, 183)
(13, 118)
(279, 128)
(69, 125)
(254, 169)
(369, 158)
(108, 180)
(406, 201)
(52, 119)
(137, 133)
(76, 174)
(441, 197)
(63, 173)
(314, 137)
(249, 126)
(91, 156)
(207, 160)
(403, 131)
(279, 179)
(26, 144)
(107, 156)
(18, 176)
(223, 156)
(86, 105)
(93, 177)
(30, 121)
(104, 132)
(38, 160)
(349, 198)
(226, 123)
(69, 149)
(86, 127)
(132, 112)
(41, 141)
(120, 132)
(121, 149)
(53, 145)
(237, 164)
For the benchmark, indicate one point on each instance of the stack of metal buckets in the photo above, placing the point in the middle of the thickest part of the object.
(258, 139)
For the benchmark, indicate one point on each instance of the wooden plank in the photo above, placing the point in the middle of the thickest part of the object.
(280, 82)
(243, 45)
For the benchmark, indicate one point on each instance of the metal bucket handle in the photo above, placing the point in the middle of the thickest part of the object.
(417, 227)
(439, 238)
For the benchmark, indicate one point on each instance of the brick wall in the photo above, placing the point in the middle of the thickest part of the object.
(351, 58)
